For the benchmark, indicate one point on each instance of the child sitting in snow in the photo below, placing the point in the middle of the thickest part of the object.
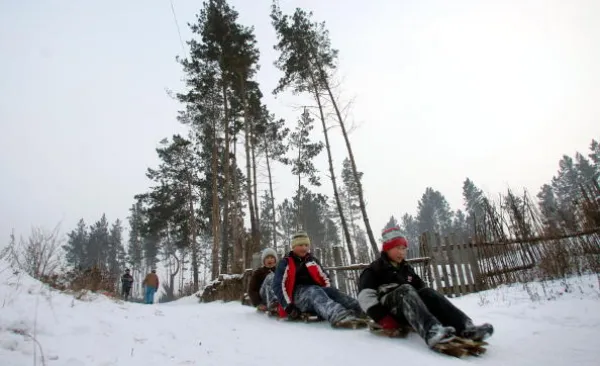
(260, 288)
(302, 286)
(392, 294)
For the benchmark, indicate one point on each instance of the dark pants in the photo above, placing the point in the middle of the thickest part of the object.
(327, 302)
(126, 291)
(424, 309)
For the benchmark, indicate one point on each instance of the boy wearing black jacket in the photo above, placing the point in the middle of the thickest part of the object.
(392, 294)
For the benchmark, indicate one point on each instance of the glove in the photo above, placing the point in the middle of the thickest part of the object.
(389, 323)
(262, 307)
(292, 311)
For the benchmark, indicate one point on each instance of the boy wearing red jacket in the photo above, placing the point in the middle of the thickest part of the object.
(301, 285)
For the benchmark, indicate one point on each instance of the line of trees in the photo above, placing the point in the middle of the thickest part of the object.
(205, 213)
(560, 203)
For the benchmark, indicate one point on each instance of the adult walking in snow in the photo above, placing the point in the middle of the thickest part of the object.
(301, 286)
(260, 288)
(392, 294)
(151, 285)
(126, 284)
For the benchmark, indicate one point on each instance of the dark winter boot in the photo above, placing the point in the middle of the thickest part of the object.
(477, 333)
(273, 308)
(439, 334)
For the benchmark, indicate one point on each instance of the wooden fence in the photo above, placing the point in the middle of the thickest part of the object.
(456, 269)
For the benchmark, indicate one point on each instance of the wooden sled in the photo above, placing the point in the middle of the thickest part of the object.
(457, 347)
(391, 333)
(460, 347)
(304, 317)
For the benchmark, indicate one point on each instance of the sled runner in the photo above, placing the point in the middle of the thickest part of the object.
(304, 317)
(457, 347)
(392, 333)
(460, 347)
(314, 318)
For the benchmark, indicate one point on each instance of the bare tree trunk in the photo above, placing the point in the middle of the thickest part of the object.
(299, 214)
(255, 184)
(215, 208)
(338, 202)
(254, 229)
(226, 186)
(236, 221)
(274, 221)
(172, 274)
(351, 218)
(193, 243)
(363, 207)
(181, 274)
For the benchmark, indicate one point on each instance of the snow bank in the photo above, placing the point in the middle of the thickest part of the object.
(100, 331)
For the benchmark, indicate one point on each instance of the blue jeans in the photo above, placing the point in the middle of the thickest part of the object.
(267, 295)
(327, 302)
(149, 295)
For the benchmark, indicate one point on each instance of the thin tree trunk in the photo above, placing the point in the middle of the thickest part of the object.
(181, 274)
(363, 207)
(299, 214)
(351, 218)
(338, 202)
(193, 243)
(215, 208)
(226, 188)
(172, 275)
(238, 250)
(255, 184)
(253, 222)
(274, 221)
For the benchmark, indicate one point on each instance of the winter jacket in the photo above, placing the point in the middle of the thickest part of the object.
(293, 271)
(127, 280)
(151, 280)
(380, 278)
(256, 281)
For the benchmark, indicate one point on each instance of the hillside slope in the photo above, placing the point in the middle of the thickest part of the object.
(100, 331)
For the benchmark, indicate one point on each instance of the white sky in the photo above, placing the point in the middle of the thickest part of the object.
(493, 90)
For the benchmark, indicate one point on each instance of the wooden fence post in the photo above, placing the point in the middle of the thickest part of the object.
(474, 258)
(426, 252)
(433, 253)
(456, 287)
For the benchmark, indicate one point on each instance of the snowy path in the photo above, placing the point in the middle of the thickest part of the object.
(102, 332)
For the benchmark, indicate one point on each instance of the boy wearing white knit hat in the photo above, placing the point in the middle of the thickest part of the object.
(260, 289)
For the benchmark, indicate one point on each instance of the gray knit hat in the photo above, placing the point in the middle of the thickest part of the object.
(267, 252)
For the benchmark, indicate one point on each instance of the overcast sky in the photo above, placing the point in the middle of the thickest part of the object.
(442, 90)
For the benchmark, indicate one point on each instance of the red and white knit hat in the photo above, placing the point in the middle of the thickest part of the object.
(392, 238)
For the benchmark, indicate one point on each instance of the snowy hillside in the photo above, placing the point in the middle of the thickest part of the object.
(100, 331)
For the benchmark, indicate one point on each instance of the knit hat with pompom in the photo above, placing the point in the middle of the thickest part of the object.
(392, 238)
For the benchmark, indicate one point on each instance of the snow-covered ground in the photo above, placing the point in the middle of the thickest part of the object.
(558, 328)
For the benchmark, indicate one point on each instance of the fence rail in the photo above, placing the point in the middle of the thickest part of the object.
(455, 268)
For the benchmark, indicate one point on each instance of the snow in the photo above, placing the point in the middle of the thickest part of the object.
(536, 324)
